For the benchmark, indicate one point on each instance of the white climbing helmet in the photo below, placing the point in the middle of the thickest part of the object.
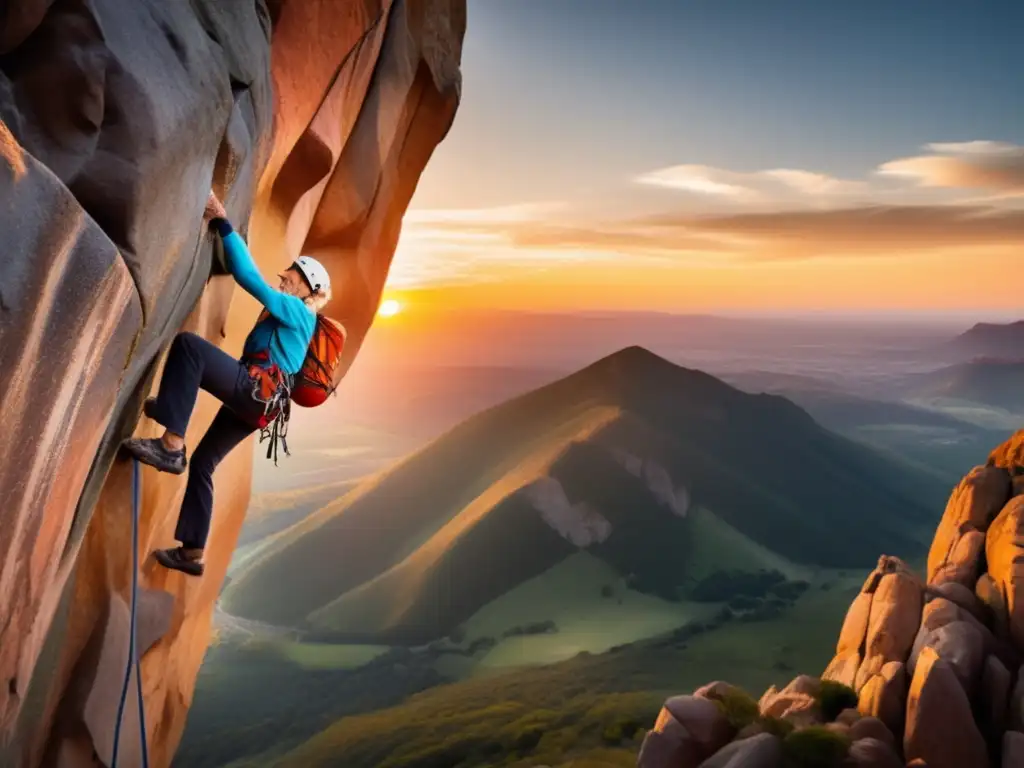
(314, 273)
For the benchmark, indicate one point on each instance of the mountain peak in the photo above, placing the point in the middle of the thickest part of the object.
(635, 356)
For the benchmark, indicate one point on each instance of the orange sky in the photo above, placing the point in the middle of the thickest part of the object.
(925, 283)
(940, 230)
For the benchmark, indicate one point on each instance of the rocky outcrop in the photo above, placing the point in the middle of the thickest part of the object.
(933, 664)
(312, 119)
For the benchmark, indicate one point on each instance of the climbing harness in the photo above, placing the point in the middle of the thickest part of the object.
(133, 655)
(276, 390)
(271, 387)
(274, 424)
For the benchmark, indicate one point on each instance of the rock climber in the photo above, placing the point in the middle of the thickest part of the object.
(249, 389)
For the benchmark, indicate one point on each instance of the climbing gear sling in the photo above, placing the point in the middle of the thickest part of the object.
(276, 390)
(133, 654)
(271, 387)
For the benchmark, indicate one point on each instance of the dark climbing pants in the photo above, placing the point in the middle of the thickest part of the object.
(193, 363)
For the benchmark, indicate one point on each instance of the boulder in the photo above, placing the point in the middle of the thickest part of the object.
(1009, 455)
(1004, 550)
(963, 564)
(883, 697)
(894, 618)
(960, 644)
(872, 728)
(761, 751)
(716, 691)
(995, 694)
(990, 593)
(849, 716)
(855, 625)
(872, 753)
(972, 506)
(843, 668)
(939, 611)
(940, 727)
(704, 721)
(962, 596)
(797, 702)
(747, 731)
(668, 745)
(1013, 749)
(1015, 711)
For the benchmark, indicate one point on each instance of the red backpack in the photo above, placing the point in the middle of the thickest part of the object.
(318, 376)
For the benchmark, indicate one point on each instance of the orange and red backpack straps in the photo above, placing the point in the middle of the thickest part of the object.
(318, 376)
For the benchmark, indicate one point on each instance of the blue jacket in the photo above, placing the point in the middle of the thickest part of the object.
(289, 328)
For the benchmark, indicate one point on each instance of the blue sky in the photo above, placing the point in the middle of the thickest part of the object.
(700, 150)
(566, 97)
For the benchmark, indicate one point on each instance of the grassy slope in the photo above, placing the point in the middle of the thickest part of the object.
(467, 562)
(302, 687)
(391, 516)
(570, 595)
(571, 706)
(273, 511)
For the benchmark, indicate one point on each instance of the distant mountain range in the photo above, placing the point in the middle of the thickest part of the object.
(995, 382)
(621, 460)
(1005, 341)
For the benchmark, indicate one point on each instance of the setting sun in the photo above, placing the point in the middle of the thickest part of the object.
(389, 308)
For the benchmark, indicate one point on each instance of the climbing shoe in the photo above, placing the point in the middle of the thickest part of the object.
(176, 559)
(151, 450)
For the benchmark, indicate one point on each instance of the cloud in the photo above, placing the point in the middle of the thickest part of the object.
(627, 237)
(976, 147)
(861, 231)
(487, 215)
(702, 179)
(811, 183)
(765, 188)
(949, 170)
(990, 165)
(928, 204)
(884, 230)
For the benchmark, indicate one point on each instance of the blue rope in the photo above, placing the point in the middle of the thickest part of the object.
(133, 657)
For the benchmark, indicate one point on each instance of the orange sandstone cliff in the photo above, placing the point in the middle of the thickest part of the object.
(313, 119)
(928, 669)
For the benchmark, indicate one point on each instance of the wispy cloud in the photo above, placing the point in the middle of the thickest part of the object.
(702, 179)
(464, 245)
(880, 230)
(949, 168)
(777, 214)
(484, 215)
(758, 189)
(989, 165)
(810, 183)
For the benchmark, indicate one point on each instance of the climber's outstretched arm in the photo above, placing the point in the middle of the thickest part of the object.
(290, 310)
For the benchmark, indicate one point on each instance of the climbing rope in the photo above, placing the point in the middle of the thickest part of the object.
(133, 657)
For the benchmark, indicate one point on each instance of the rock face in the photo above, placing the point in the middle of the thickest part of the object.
(935, 664)
(313, 120)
